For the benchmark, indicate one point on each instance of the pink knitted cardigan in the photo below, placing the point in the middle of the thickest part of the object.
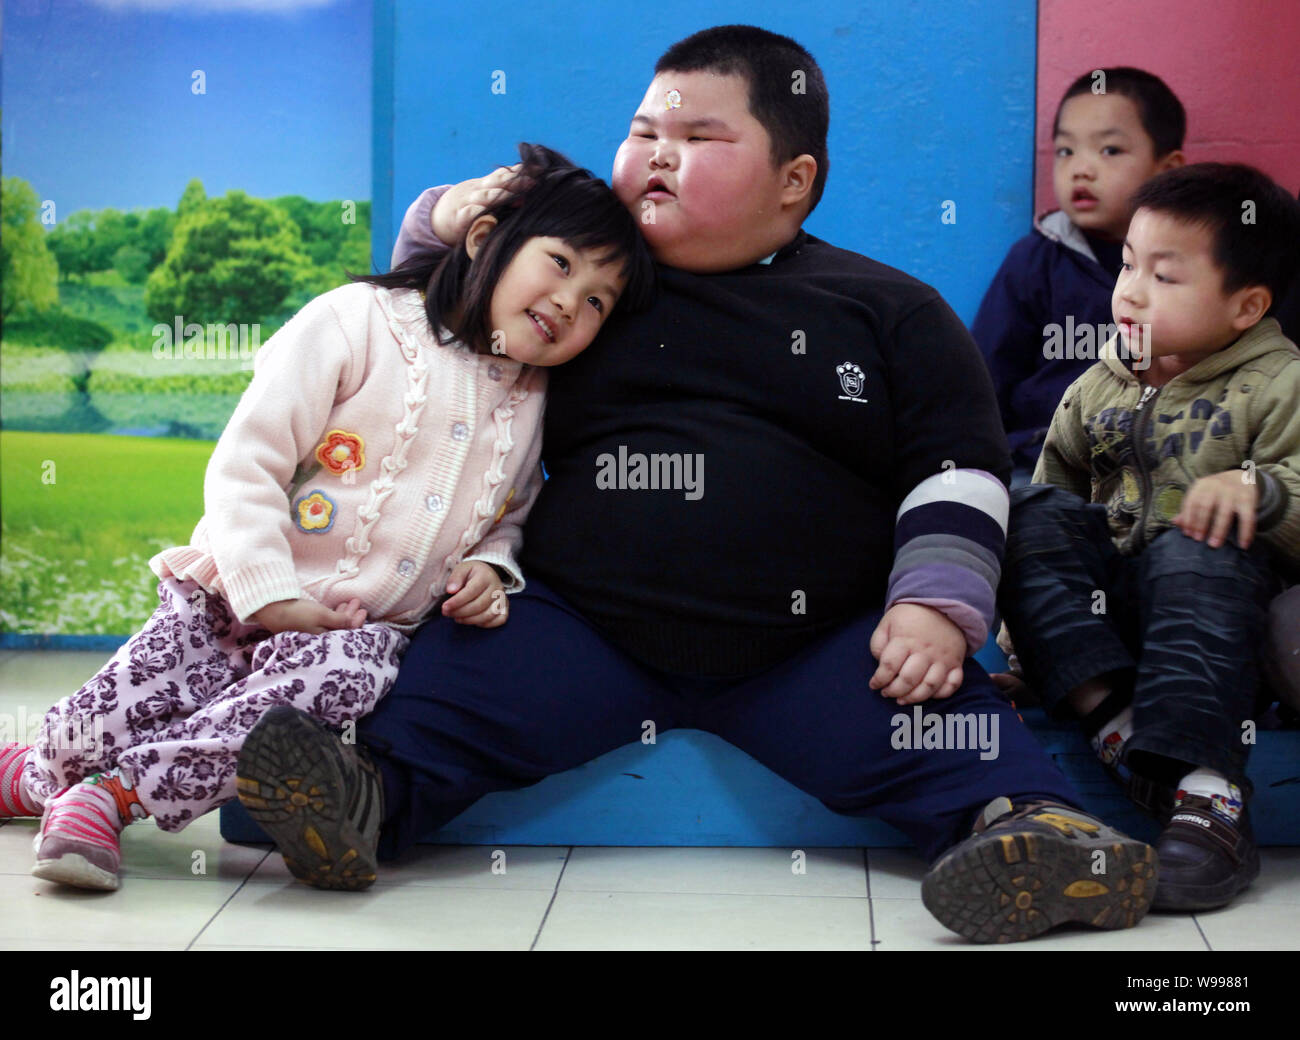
(366, 459)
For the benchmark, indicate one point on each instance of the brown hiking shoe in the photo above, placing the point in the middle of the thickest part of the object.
(1031, 867)
(319, 799)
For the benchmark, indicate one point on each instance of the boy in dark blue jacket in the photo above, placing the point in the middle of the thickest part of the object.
(1039, 325)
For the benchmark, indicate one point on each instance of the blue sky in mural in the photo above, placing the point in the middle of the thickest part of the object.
(100, 109)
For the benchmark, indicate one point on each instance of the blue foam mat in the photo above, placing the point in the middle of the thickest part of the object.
(693, 788)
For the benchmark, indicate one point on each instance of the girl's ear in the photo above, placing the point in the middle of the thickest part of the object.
(478, 233)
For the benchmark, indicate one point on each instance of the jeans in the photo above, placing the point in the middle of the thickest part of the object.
(1179, 626)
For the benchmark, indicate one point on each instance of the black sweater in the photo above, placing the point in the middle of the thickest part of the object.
(791, 529)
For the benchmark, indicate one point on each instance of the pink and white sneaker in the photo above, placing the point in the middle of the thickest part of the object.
(14, 800)
(79, 843)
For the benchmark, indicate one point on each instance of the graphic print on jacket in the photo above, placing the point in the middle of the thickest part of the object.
(1165, 468)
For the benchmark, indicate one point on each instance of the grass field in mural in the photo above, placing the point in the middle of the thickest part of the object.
(83, 513)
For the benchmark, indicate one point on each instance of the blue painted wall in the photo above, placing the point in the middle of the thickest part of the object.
(930, 101)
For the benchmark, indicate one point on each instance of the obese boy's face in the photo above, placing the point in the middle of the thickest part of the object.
(1103, 155)
(696, 172)
(1171, 283)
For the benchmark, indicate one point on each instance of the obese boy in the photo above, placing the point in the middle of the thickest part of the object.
(839, 565)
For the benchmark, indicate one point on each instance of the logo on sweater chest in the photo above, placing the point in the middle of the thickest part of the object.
(852, 381)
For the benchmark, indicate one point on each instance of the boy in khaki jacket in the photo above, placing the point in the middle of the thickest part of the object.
(1130, 599)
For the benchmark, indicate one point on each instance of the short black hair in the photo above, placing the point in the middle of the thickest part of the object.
(1262, 250)
(797, 122)
(548, 197)
(1162, 114)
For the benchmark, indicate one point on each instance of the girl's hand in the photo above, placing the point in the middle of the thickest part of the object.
(459, 205)
(919, 654)
(305, 615)
(478, 598)
(1213, 502)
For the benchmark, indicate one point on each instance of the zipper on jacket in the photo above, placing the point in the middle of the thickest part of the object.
(1149, 394)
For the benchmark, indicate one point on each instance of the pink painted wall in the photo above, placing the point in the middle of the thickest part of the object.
(1232, 63)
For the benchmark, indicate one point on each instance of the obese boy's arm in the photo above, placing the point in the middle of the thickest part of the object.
(415, 237)
(953, 462)
(440, 216)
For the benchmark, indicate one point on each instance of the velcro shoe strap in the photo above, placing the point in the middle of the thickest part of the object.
(1205, 829)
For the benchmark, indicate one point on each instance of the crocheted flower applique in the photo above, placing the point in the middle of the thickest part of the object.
(341, 452)
(314, 513)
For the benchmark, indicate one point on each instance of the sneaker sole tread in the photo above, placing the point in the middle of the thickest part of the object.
(1023, 883)
(303, 813)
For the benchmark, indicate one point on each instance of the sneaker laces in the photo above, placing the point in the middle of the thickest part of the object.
(1061, 816)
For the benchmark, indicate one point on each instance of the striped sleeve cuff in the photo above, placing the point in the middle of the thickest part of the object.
(948, 543)
(415, 235)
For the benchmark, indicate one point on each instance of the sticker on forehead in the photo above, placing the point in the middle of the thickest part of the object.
(672, 99)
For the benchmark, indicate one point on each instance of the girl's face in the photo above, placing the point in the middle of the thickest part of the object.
(551, 299)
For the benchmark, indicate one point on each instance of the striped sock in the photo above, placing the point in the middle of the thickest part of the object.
(15, 799)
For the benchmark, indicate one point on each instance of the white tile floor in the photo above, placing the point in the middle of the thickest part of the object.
(194, 891)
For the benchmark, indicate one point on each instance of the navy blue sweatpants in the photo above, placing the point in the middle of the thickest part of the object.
(481, 710)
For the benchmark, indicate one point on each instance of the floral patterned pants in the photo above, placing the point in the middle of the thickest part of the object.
(173, 706)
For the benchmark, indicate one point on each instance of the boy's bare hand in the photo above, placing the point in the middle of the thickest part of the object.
(920, 654)
(479, 598)
(459, 205)
(305, 615)
(1212, 503)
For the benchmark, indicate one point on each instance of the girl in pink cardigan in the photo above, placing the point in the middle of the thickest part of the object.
(376, 472)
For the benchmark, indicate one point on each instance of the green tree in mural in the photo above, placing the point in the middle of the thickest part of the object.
(113, 230)
(132, 263)
(192, 198)
(73, 244)
(335, 236)
(232, 259)
(154, 235)
(96, 240)
(30, 273)
(354, 254)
